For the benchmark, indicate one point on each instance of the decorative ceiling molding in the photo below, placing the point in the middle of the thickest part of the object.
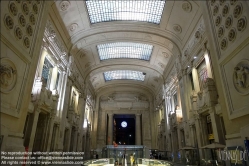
(186, 6)
(56, 44)
(196, 37)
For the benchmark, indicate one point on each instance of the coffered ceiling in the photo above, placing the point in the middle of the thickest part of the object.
(168, 38)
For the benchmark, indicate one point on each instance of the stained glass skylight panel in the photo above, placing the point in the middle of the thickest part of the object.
(125, 50)
(124, 75)
(125, 10)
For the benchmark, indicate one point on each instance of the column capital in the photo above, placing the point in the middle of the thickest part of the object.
(211, 111)
(110, 113)
(138, 112)
(38, 110)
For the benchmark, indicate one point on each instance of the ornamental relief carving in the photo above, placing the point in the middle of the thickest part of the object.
(232, 2)
(218, 20)
(237, 11)
(208, 95)
(29, 30)
(241, 24)
(223, 44)
(225, 15)
(51, 35)
(13, 9)
(241, 77)
(35, 8)
(165, 55)
(215, 10)
(8, 74)
(228, 22)
(161, 65)
(225, 10)
(232, 34)
(22, 20)
(177, 28)
(32, 19)
(221, 31)
(25, 8)
(18, 33)
(26, 42)
(186, 6)
(221, 2)
(64, 5)
(73, 27)
(212, 2)
(198, 35)
(8, 21)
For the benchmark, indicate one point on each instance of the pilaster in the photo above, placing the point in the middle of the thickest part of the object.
(138, 129)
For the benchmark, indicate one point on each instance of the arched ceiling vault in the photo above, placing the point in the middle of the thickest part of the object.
(168, 38)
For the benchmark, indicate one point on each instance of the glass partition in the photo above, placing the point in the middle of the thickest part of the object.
(103, 161)
(124, 151)
(145, 162)
(138, 162)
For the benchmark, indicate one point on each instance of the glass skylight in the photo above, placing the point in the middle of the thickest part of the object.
(125, 50)
(124, 75)
(125, 10)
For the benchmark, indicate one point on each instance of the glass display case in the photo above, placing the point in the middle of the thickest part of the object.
(125, 151)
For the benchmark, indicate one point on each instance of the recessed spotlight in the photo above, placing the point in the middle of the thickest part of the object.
(188, 66)
(195, 57)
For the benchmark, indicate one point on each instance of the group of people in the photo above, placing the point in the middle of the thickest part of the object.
(124, 160)
(156, 156)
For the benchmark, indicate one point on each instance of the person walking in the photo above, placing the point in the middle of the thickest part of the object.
(132, 159)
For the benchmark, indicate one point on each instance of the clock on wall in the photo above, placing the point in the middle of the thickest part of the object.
(124, 124)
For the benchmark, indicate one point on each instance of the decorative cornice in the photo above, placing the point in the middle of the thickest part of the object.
(55, 44)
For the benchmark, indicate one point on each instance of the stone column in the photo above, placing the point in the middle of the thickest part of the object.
(64, 100)
(68, 139)
(61, 91)
(195, 79)
(110, 128)
(207, 61)
(192, 142)
(75, 143)
(138, 129)
(51, 126)
(216, 126)
(54, 140)
(33, 130)
(173, 143)
(41, 61)
(102, 129)
(88, 142)
(53, 78)
(167, 110)
(81, 106)
(84, 140)
(199, 135)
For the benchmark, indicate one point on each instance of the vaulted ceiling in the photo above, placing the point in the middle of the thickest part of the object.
(168, 39)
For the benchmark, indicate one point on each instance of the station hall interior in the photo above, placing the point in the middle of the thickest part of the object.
(151, 77)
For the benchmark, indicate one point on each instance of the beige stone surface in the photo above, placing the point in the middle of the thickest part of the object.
(195, 41)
